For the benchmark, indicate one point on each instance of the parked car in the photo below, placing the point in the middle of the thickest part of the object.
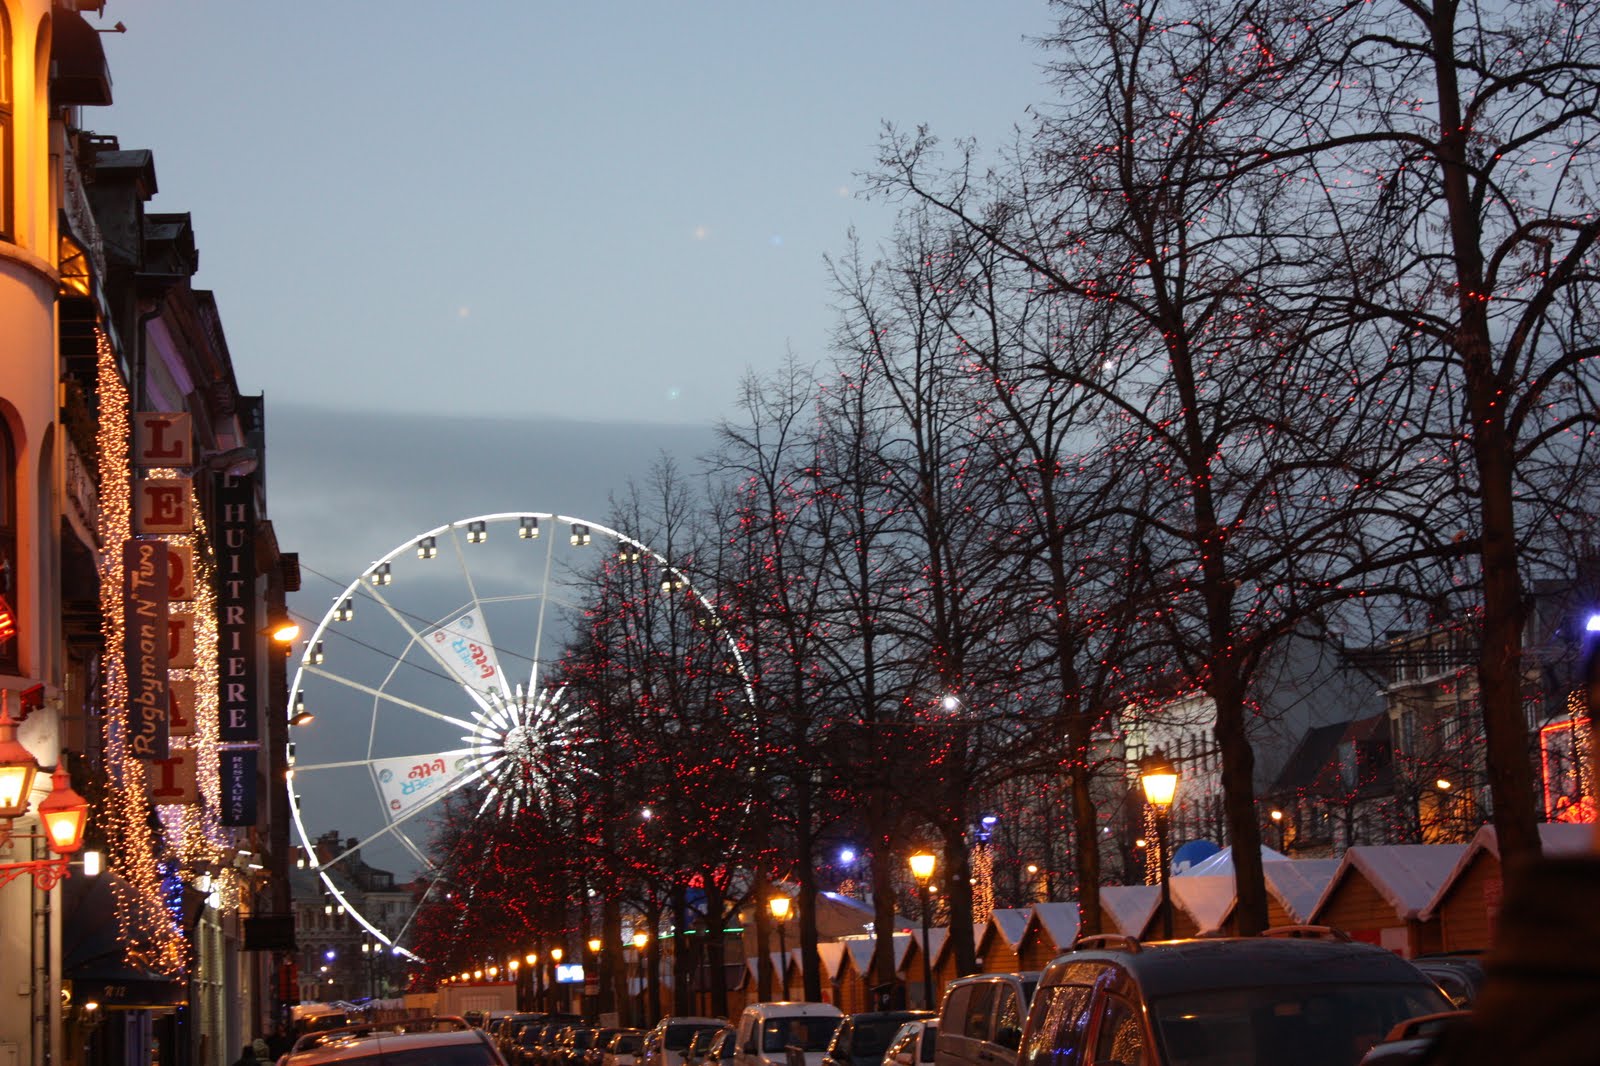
(1413, 1039)
(570, 1046)
(1458, 976)
(981, 1021)
(913, 1044)
(861, 1039)
(624, 1048)
(723, 1046)
(667, 1043)
(505, 1038)
(767, 1030)
(700, 1046)
(371, 1046)
(596, 1051)
(1307, 998)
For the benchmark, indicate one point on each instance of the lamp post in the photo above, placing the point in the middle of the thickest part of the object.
(779, 906)
(598, 981)
(1277, 820)
(922, 864)
(1159, 777)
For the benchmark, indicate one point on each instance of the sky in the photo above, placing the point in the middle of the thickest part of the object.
(599, 210)
(494, 256)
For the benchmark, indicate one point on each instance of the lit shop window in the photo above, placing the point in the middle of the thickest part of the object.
(8, 551)
(7, 177)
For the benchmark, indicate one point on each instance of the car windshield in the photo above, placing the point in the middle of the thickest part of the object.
(808, 1034)
(869, 1037)
(626, 1044)
(1285, 1025)
(678, 1036)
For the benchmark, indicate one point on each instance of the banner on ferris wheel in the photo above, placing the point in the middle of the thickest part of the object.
(409, 781)
(462, 646)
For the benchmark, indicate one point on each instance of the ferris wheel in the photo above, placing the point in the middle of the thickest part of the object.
(430, 680)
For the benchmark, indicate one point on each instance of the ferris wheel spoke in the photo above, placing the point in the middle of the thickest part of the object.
(544, 604)
(387, 697)
(393, 828)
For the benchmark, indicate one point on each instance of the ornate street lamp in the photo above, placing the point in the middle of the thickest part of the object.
(17, 766)
(922, 865)
(1159, 778)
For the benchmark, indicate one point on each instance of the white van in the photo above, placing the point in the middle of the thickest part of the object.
(767, 1031)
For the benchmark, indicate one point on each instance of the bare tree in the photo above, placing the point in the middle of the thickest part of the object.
(1216, 377)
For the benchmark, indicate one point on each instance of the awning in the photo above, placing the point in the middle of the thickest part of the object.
(92, 955)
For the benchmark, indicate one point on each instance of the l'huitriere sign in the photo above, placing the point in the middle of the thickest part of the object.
(236, 611)
(145, 636)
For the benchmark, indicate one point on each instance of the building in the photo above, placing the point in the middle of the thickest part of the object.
(131, 643)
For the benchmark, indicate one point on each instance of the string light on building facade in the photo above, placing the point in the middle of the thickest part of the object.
(141, 909)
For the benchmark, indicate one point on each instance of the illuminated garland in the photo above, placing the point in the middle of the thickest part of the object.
(197, 831)
(133, 847)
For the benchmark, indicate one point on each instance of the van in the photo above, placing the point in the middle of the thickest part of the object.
(766, 1031)
(980, 1023)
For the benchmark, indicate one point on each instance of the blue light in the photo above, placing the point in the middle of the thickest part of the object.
(990, 819)
(1593, 624)
(847, 855)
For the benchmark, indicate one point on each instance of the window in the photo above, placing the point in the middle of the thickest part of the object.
(1120, 1036)
(1008, 1019)
(7, 178)
(1062, 1013)
(10, 661)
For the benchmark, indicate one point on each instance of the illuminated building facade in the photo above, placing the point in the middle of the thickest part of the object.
(131, 475)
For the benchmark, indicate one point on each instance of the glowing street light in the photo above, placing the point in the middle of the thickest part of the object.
(1159, 778)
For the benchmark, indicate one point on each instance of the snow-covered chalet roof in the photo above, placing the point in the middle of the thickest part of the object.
(1130, 906)
(1407, 876)
(1555, 838)
(1058, 920)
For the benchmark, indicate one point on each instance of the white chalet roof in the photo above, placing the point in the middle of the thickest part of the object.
(1206, 898)
(1407, 876)
(1009, 922)
(1222, 862)
(1555, 838)
(1060, 920)
(1130, 906)
(1297, 884)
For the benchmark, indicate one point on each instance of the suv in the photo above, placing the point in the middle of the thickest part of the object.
(981, 1023)
(767, 1032)
(1302, 996)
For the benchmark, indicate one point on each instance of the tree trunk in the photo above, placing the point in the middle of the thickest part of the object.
(1500, 655)
(1085, 830)
(1238, 801)
(805, 848)
(958, 896)
(682, 962)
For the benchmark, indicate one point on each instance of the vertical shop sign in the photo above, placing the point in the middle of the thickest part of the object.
(236, 611)
(145, 636)
(163, 438)
(174, 781)
(238, 766)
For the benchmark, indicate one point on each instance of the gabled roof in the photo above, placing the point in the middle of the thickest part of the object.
(1297, 884)
(1058, 921)
(1407, 876)
(861, 952)
(1130, 907)
(1555, 838)
(1222, 862)
(937, 935)
(947, 945)
(832, 956)
(1206, 899)
(1008, 923)
(1314, 765)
